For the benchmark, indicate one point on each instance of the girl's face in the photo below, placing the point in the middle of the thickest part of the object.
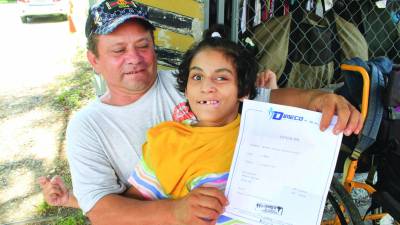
(212, 88)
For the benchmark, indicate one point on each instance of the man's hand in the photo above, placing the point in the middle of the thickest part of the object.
(202, 205)
(55, 192)
(349, 118)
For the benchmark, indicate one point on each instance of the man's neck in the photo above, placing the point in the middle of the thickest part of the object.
(120, 100)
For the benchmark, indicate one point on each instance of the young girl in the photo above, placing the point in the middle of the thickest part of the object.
(215, 75)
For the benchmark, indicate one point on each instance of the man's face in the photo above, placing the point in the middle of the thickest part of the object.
(126, 59)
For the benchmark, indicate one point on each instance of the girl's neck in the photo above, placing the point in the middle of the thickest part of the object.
(216, 123)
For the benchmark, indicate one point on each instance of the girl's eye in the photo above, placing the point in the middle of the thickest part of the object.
(196, 77)
(221, 78)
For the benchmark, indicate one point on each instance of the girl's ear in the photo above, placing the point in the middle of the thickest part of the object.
(244, 97)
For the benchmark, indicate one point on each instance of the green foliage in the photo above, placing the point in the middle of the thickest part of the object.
(7, 1)
(63, 216)
(69, 99)
(44, 209)
(75, 219)
(75, 89)
(71, 92)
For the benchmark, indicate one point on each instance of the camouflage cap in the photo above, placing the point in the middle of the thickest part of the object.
(106, 15)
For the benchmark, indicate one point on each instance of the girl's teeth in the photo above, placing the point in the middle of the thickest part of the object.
(208, 102)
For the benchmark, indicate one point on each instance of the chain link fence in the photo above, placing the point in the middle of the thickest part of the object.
(304, 41)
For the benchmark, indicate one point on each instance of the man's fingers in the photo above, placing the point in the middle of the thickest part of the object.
(353, 122)
(54, 191)
(349, 118)
(327, 113)
(343, 112)
(215, 193)
(358, 121)
(57, 180)
(54, 196)
(334, 104)
(211, 203)
(206, 214)
(43, 181)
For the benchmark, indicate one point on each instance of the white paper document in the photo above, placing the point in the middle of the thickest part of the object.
(282, 166)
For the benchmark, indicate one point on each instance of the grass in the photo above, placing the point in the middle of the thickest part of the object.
(7, 1)
(61, 215)
(74, 90)
(70, 93)
(64, 216)
(75, 219)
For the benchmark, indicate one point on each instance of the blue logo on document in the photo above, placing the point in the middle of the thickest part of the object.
(276, 115)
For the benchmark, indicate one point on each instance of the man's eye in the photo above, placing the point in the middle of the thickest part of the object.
(118, 50)
(143, 46)
(196, 77)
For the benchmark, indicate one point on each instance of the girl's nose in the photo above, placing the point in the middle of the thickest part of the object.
(208, 86)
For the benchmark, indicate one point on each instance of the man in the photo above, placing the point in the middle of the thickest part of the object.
(104, 139)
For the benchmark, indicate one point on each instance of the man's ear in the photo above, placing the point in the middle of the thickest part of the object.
(92, 58)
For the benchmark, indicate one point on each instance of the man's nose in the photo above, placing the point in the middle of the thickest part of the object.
(134, 57)
(208, 86)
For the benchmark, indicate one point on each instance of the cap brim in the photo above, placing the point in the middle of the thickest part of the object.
(110, 27)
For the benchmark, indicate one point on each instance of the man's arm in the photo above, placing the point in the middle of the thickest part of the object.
(97, 187)
(349, 118)
(201, 206)
(116, 209)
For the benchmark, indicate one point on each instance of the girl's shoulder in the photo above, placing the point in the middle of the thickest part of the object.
(169, 128)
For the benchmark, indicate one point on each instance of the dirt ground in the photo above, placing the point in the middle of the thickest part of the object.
(30, 142)
(31, 131)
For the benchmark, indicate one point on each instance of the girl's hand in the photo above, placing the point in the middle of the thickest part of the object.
(266, 79)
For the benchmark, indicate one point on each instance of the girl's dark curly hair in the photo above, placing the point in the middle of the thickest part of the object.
(245, 63)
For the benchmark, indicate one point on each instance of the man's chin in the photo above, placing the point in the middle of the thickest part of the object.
(138, 85)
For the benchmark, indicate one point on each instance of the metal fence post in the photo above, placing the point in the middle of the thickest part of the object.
(235, 21)
(206, 14)
(221, 11)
